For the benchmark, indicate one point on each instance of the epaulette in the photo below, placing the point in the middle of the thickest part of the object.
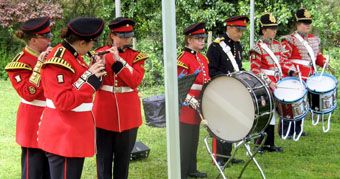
(17, 66)
(18, 56)
(179, 56)
(256, 49)
(140, 56)
(206, 58)
(181, 64)
(59, 61)
(218, 40)
(289, 38)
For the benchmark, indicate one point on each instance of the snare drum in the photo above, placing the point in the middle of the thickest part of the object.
(236, 105)
(291, 99)
(322, 93)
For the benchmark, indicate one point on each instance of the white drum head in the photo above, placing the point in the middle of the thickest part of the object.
(321, 83)
(228, 107)
(289, 90)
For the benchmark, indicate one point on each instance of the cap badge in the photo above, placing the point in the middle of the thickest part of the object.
(127, 25)
(306, 14)
(272, 18)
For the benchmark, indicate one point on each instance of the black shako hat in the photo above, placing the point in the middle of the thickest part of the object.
(302, 15)
(197, 30)
(268, 21)
(122, 26)
(238, 22)
(40, 26)
(87, 28)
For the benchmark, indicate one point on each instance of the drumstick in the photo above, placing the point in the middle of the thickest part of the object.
(323, 68)
(286, 87)
(298, 68)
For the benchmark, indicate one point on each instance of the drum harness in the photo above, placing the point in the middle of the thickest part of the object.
(272, 55)
(227, 50)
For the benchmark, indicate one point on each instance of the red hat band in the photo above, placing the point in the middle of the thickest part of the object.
(238, 23)
(46, 30)
(125, 28)
(199, 31)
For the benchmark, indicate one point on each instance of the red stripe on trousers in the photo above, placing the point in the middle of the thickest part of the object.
(65, 167)
(214, 148)
(27, 158)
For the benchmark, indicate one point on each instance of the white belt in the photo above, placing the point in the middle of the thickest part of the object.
(121, 89)
(35, 102)
(269, 72)
(196, 87)
(302, 62)
(81, 108)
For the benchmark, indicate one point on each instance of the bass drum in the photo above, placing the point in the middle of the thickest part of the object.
(236, 105)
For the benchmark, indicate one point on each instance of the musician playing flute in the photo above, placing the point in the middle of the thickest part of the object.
(267, 61)
(303, 50)
(24, 73)
(117, 108)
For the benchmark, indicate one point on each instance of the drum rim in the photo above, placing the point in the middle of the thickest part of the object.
(320, 92)
(288, 78)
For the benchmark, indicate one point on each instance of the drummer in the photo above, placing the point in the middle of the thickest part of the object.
(303, 50)
(188, 62)
(267, 61)
(222, 63)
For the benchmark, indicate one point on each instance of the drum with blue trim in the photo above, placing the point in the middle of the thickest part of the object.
(291, 99)
(322, 93)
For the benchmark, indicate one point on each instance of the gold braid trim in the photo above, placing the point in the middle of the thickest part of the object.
(206, 58)
(218, 40)
(17, 66)
(59, 61)
(140, 56)
(35, 77)
(180, 55)
(181, 64)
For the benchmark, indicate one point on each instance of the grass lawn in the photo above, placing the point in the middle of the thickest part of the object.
(314, 156)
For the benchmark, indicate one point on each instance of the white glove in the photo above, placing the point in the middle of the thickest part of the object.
(192, 101)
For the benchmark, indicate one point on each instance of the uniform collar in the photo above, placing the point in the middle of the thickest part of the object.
(302, 34)
(31, 51)
(190, 50)
(69, 47)
(267, 40)
(228, 39)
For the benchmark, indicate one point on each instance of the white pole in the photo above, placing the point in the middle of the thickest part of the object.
(118, 12)
(171, 87)
(251, 23)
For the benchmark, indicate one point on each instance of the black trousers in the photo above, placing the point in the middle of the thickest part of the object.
(64, 167)
(292, 129)
(223, 148)
(189, 135)
(34, 164)
(116, 147)
(270, 136)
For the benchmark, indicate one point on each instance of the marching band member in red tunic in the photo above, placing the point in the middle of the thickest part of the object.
(117, 106)
(268, 62)
(67, 127)
(188, 62)
(24, 73)
(303, 50)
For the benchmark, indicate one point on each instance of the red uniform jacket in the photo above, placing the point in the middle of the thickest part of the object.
(117, 105)
(261, 61)
(65, 130)
(24, 73)
(295, 50)
(189, 61)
